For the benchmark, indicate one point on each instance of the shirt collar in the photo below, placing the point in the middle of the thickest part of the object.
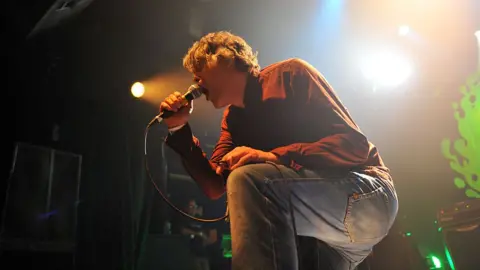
(253, 91)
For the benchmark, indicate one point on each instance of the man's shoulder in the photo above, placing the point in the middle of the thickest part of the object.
(287, 65)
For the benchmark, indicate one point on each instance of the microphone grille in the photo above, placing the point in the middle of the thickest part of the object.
(195, 91)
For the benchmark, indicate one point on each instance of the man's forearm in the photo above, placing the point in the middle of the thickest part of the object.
(203, 172)
(196, 162)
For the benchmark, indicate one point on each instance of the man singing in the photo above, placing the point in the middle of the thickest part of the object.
(290, 157)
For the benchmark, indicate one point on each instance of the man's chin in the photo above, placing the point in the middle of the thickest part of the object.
(217, 105)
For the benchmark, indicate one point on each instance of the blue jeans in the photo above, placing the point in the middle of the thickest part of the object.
(268, 204)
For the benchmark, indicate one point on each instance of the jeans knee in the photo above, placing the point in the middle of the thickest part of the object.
(245, 177)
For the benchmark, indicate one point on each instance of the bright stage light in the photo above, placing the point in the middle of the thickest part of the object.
(403, 30)
(137, 89)
(477, 34)
(386, 70)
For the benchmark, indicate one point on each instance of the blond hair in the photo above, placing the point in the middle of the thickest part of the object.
(225, 47)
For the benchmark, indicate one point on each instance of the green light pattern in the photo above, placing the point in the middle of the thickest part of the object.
(466, 160)
(449, 258)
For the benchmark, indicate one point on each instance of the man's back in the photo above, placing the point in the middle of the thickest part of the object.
(284, 108)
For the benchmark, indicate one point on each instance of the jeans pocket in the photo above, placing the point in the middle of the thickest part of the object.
(367, 218)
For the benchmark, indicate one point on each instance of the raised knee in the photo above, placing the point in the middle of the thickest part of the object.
(244, 176)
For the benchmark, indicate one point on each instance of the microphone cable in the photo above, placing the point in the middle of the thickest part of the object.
(224, 217)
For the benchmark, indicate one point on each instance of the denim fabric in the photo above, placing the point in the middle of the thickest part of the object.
(349, 214)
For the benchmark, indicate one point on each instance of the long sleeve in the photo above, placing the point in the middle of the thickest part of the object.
(195, 161)
(340, 143)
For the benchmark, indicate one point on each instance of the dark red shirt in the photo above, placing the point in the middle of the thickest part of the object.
(292, 111)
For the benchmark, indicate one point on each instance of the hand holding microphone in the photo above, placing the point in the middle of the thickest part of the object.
(176, 108)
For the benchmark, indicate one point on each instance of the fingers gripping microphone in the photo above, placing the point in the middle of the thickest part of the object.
(193, 92)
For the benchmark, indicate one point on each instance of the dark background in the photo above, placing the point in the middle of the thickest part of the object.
(78, 74)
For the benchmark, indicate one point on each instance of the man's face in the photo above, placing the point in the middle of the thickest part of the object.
(219, 81)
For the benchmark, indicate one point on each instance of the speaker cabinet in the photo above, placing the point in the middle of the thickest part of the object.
(40, 210)
(460, 224)
(462, 244)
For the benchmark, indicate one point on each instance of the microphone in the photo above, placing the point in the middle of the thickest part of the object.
(194, 91)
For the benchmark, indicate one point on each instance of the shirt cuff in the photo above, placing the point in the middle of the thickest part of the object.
(172, 130)
(182, 140)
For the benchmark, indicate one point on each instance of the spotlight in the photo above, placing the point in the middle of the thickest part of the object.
(403, 30)
(386, 69)
(137, 89)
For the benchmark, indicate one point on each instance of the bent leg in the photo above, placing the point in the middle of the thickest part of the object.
(349, 214)
(262, 234)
